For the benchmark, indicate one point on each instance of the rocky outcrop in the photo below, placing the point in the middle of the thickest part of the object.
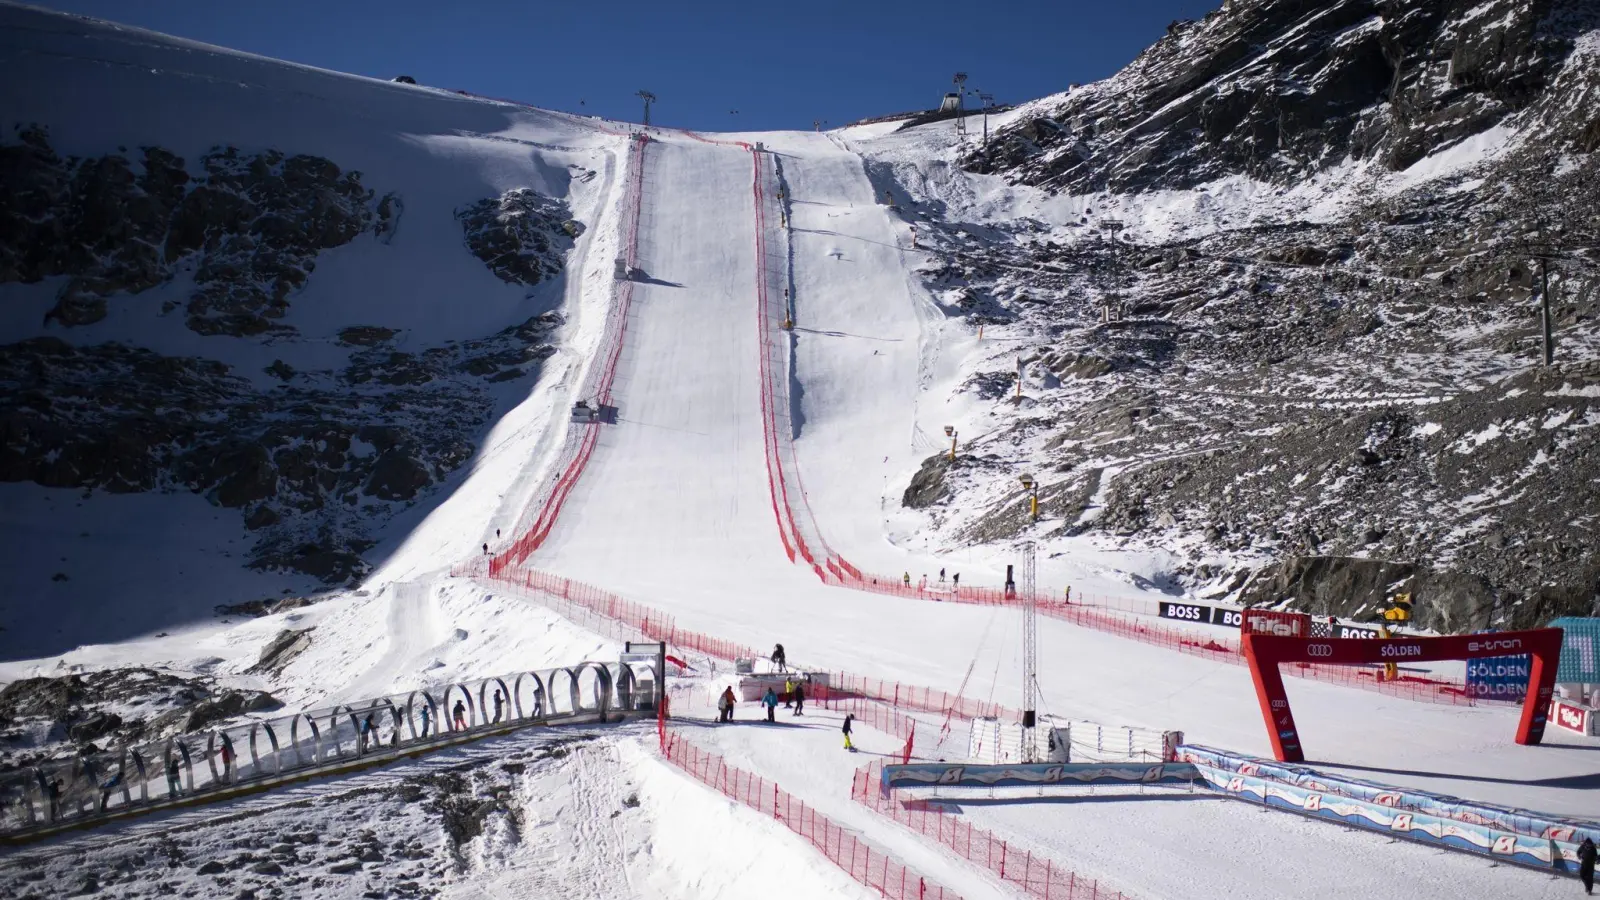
(384, 430)
(248, 227)
(1278, 89)
(522, 236)
(1307, 394)
(48, 717)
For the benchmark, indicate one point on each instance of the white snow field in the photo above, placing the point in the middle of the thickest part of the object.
(675, 510)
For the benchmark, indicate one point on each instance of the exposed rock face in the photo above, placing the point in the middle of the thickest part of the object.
(71, 712)
(1318, 393)
(1276, 89)
(248, 228)
(518, 235)
(383, 430)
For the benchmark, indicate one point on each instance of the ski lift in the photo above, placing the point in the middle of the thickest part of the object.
(584, 413)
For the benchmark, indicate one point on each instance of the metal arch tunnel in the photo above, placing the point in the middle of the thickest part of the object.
(45, 799)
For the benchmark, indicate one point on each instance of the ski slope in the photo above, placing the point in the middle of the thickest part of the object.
(675, 508)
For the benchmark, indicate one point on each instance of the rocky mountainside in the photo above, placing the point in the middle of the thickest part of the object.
(1280, 89)
(1284, 326)
(313, 460)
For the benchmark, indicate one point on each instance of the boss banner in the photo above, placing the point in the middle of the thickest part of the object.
(1201, 613)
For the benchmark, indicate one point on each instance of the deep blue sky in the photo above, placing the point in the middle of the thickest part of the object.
(780, 64)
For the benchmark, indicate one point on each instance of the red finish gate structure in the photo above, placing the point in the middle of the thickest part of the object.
(1265, 653)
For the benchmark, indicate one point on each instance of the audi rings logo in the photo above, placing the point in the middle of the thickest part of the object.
(1320, 650)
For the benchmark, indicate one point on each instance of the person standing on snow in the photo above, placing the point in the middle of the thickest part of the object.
(955, 580)
(174, 782)
(848, 718)
(460, 712)
(499, 703)
(906, 578)
(780, 659)
(788, 693)
(799, 698)
(941, 576)
(770, 701)
(1586, 854)
(725, 705)
(425, 718)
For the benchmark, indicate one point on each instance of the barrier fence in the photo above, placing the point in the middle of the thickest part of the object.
(539, 516)
(1034, 876)
(865, 863)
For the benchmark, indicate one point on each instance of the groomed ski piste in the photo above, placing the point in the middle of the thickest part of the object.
(736, 439)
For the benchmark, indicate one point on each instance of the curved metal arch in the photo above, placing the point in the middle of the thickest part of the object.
(538, 710)
(483, 700)
(185, 762)
(272, 739)
(118, 782)
(144, 775)
(431, 711)
(372, 709)
(215, 749)
(294, 739)
(603, 687)
(466, 697)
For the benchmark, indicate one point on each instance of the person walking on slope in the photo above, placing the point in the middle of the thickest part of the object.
(906, 578)
(780, 659)
(1586, 854)
(848, 718)
(499, 704)
(425, 718)
(460, 713)
(788, 693)
(770, 701)
(941, 576)
(725, 705)
(799, 698)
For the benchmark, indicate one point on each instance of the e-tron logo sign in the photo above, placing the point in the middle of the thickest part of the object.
(1486, 646)
(1319, 650)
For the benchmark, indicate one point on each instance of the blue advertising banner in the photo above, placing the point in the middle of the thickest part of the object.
(1498, 677)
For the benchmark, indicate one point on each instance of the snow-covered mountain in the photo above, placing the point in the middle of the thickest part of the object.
(1276, 288)
(258, 319)
(280, 346)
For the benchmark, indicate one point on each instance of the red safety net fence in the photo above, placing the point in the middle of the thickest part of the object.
(539, 516)
(846, 849)
(1034, 876)
(1221, 648)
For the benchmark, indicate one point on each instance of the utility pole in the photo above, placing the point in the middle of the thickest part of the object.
(988, 103)
(1030, 655)
(648, 99)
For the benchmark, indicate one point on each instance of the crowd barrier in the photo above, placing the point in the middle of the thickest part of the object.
(187, 767)
(539, 516)
(1034, 876)
(630, 620)
(1517, 832)
(865, 863)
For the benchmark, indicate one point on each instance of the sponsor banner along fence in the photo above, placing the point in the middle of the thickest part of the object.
(864, 862)
(1574, 717)
(1034, 876)
(941, 775)
(1511, 835)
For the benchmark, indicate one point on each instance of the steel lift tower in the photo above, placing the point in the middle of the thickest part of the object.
(1030, 654)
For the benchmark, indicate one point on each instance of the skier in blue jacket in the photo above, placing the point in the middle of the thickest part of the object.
(770, 701)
